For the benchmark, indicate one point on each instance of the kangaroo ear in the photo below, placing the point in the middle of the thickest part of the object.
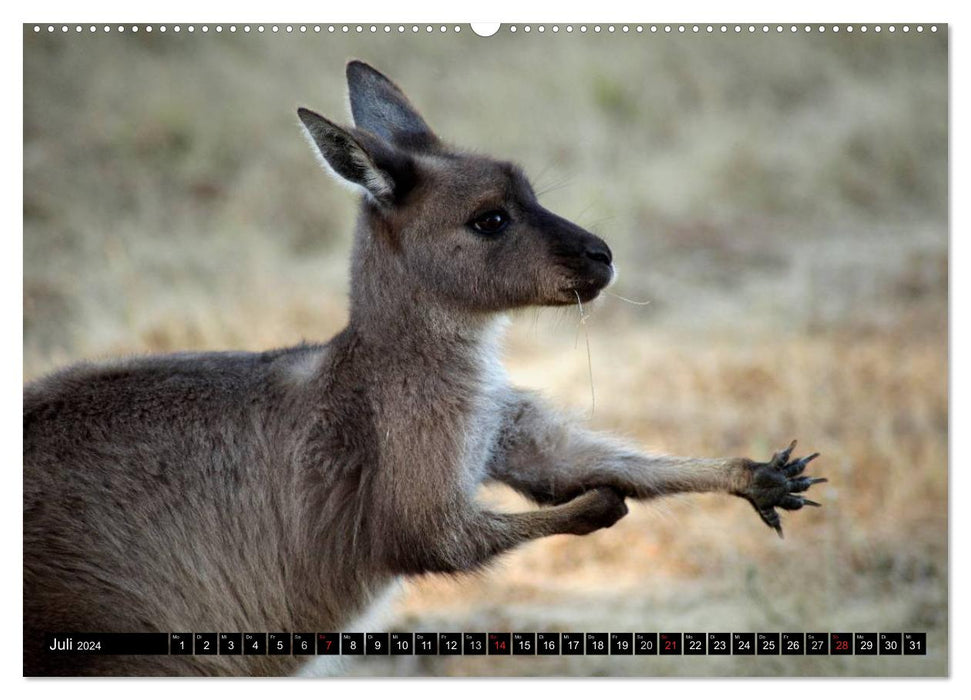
(379, 106)
(384, 173)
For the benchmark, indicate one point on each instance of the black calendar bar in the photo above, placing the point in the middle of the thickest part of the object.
(621, 644)
(474, 644)
(695, 643)
(597, 643)
(101, 643)
(915, 643)
(205, 643)
(304, 643)
(180, 643)
(524, 643)
(548, 643)
(793, 643)
(719, 644)
(426, 643)
(743, 643)
(891, 643)
(377, 644)
(500, 643)
(670, 643)
(450, 643)
(817, 643)
(328, 643)
(767, 643)
(352, 643)
(645, 643)
(402, 643)
(230, 643)
(254, 643)
(279, 643)
(572, 643)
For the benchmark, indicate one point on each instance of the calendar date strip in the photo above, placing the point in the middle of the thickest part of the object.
(492, 643)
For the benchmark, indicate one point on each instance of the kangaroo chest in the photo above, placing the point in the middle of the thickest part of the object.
(444, 428)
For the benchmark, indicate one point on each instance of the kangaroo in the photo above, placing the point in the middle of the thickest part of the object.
(286, 490)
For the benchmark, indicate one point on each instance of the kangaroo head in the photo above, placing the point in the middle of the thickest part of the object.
(462, 229)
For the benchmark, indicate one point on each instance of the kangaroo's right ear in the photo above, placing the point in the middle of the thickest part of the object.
(384, 173)
(379, 106)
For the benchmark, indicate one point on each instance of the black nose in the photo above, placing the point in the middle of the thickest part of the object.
(599, 251)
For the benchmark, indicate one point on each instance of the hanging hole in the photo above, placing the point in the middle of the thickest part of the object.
(485, 28)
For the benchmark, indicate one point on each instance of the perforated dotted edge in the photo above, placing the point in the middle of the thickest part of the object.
(719, 28)
(248, 28)
(511, 28)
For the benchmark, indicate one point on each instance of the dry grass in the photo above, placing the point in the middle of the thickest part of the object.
(781, 201)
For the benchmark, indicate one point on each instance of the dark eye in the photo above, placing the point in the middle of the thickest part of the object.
(490, 223)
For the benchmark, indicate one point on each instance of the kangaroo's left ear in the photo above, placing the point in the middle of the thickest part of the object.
(359, 158)
(379, 106)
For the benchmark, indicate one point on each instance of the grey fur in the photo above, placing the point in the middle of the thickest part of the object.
(284, 490)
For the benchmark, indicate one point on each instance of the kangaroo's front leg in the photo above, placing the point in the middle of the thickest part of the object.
(551, 461)
(472, 537)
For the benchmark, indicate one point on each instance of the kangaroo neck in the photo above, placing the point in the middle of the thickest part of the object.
(407, 338)
(394, 316)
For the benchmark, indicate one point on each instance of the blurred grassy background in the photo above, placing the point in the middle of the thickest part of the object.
(780, 200)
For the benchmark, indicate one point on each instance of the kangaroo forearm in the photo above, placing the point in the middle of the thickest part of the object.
(645, 476)
(551, 461)
(591, 461)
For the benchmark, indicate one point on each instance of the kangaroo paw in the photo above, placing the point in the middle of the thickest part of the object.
(777, 483)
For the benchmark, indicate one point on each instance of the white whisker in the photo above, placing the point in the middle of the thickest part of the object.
(586, 335)
(629, 301)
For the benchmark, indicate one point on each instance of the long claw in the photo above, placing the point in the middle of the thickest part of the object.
(781, 458)
(808, 502)
(771, 518)
(798, 466)
(803, 483)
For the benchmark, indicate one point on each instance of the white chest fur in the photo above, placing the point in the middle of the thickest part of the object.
(484, 420)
